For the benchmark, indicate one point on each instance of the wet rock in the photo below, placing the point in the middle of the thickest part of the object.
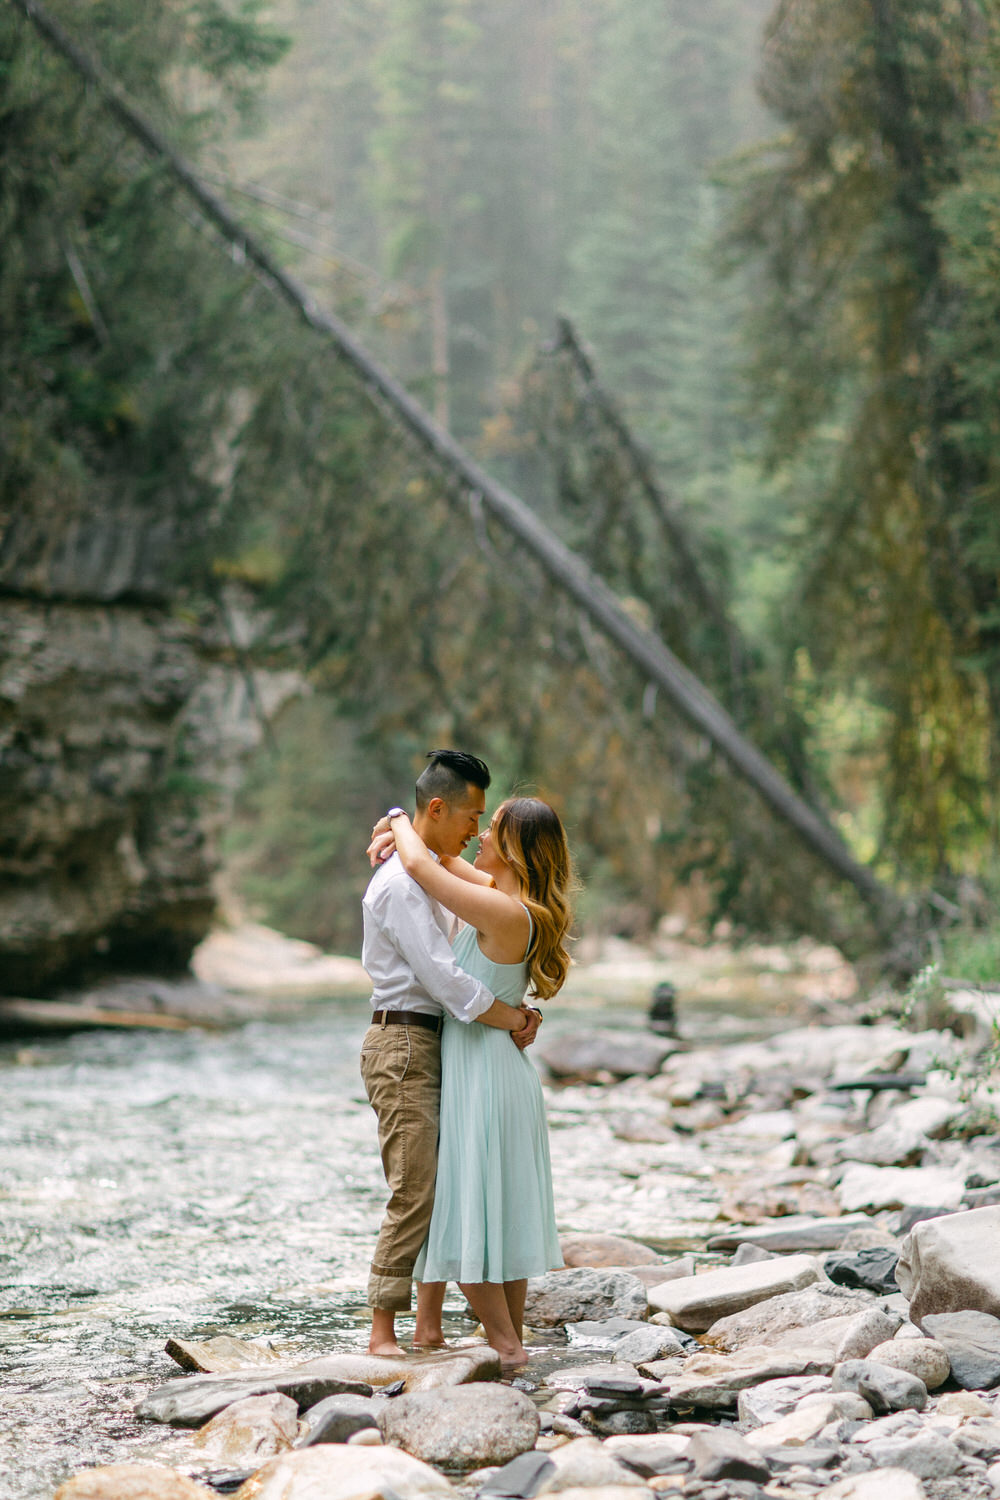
(794, 1232)
(606, 1333)
(773, 1399)
(972, 1343)
(582, 1293)
(897, 1187)
(928, 1456)
(650, 1341)
(132, 1482)
(585, 1463)
(872, 1269)
(245, 1434)
(887, 1484)
(602, 1250)
(590, 1055)
(768, 1320)
(462, 1428)
(521, 1479)
(339, 1472)
(884, 1388)
(951, 1265)
(336, 1419)
(192, 1401)
(925, 1358)
(697, 1302)
(723, 1454)
(220, 1355)
(866, 1331)
(589, 1377)
(647, 1455)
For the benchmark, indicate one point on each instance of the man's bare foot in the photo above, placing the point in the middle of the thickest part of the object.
(423, 1346)
(386, 1349)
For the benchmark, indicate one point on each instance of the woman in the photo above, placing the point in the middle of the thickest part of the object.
(493, 1224)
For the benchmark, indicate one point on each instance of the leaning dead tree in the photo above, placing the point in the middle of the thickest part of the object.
(474, 487)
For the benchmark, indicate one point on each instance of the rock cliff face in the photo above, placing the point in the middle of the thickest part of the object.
(123, 721)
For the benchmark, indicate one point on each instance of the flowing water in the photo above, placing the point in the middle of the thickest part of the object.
(163, 1183)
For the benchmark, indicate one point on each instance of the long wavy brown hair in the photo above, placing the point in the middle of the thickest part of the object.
(528, 836)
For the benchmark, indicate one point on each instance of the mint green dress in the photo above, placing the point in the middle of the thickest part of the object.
(494, 1218)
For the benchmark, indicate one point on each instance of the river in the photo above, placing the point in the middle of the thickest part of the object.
(192, 1183)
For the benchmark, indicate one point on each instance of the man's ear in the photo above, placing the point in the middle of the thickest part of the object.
(435, 808)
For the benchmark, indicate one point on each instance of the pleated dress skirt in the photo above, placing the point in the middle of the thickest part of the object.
(494, 1217)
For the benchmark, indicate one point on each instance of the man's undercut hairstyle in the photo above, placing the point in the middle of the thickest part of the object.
(449, 776)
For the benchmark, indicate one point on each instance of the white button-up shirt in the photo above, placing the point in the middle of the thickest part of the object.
(407, 951)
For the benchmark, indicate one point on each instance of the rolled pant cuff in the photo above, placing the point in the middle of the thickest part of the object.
(390, 1293)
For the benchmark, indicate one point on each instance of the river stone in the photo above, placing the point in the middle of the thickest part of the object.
(722, 1454)
(773, 1399)
(962, 1404)
(951, 1264)
(132, 1482)
(884, 1388)
(603, 1250)
(979, 1438)
(866, 1331)
(696, 1302)
(521, 1478)
(336, 1419)
(335, 1471)
(802, 1232)
(587, 1055)
(650, 1341)
(904, 1136)
(245, 1434)
(606, 1334)
(863, 1186)
(630, 1422)
(585, 1463)
(619, 1491)
(648, 1455)
(972, 1343)
(191, 1401)
(928, 1455)
(220, 1355)
(885, 1484)
(715, 1380)
(767, 1321)
(462, 1428)
(925, 1358)
(583, 1293)
(872, 1269)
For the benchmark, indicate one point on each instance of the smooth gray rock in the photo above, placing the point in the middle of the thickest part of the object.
(768, 1321)
(951, 1264)
(749, 1255)
(248, 1432)
(980, 1438)
(605, 1333)
(464, 1427)
(652, 1454)
(882, 1387)
(584, 1463)
(865, 1331)
(928, 1456)
(589, 1054)
(972, 1342)
(650, 1341)
(336, 1418)
(336, 1471)
(925, 1358)
(722, 1454)
(583, 1293)
(863, 1186)
(521, 1479)
(765, 1403)
(697, 1302)
(794, 1232)
(192, 1401)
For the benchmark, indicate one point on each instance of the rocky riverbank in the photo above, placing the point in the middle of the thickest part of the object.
(835, 1330)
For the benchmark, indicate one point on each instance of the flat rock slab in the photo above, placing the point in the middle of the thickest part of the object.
(769, 1321)
(191, 1401)
(971, 1341)
(132, 1482)
(696, 1302)
(521, 1479)
(773, 1399)
(225, 1355)
(604, 1250)
(722, 1454)
(589, 1054)
(716, 1380)
(881, 1484)
(603, 1334)
(583, 1293)
(220, 1355)
(863, 1186)
(463, 1428)
(339, 1472)
(928, 1455)
(801, 1232)
(648, 1454)
(951, 1264)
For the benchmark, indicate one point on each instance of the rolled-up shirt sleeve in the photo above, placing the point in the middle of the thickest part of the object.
(407, 923)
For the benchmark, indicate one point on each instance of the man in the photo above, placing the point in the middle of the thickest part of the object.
(416, 980)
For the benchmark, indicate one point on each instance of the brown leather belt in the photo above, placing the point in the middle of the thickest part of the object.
(407, 1018)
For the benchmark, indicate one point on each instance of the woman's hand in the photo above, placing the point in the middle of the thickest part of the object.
(383, 844)
(527, 1033)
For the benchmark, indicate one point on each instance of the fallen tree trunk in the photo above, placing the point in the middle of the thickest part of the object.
(646, 650)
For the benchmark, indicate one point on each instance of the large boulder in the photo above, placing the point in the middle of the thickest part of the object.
(951, 1264)
(583, 1293)
(339, 1472)
(605, 1250)
(696, 1302)
(863, 1186)
(132, 1482)
(463, 1428)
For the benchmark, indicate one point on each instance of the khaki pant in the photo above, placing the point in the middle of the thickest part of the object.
(401, 1068)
